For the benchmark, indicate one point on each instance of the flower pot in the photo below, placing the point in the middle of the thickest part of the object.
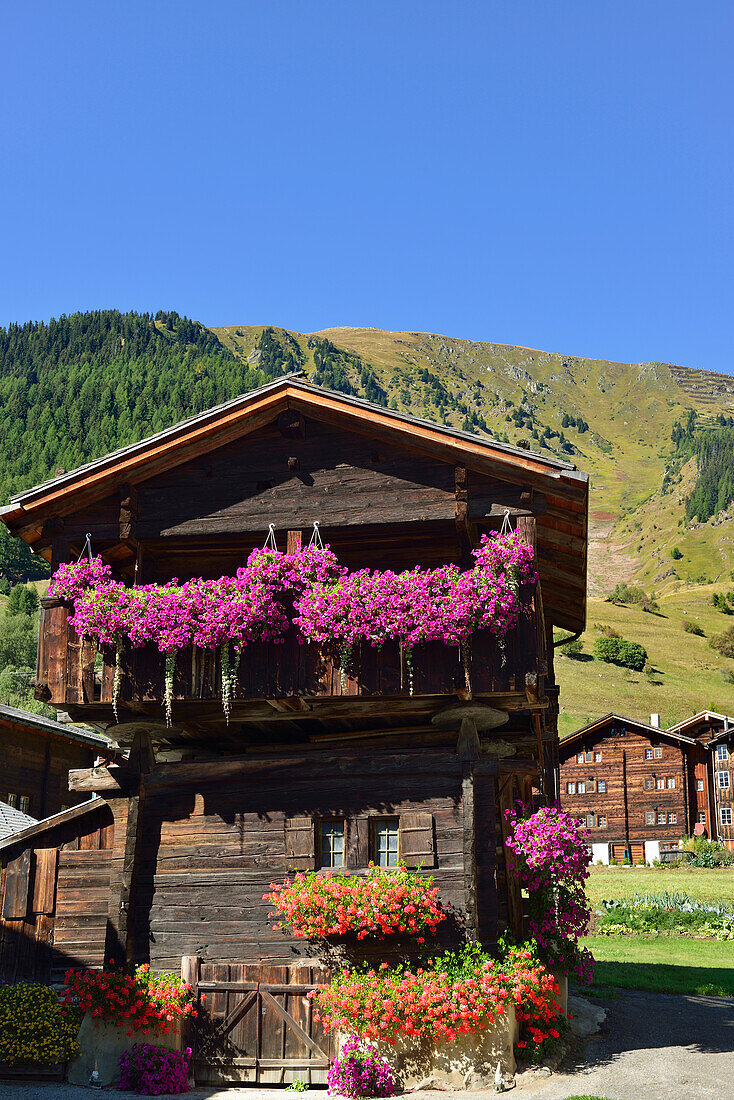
(102, 1046)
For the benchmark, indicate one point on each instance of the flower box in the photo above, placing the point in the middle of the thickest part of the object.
(102, 1045)
(467, 1062)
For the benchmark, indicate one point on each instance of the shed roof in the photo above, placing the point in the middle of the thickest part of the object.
(13, 821)
(49, 725)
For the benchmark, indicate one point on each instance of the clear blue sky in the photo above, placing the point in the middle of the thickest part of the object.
(552, 174)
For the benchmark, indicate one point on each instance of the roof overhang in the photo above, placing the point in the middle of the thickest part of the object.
(629, 723)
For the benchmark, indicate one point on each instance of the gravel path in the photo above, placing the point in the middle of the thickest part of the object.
(652, 1047)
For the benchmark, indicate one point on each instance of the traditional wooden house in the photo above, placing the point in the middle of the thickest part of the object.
(316, 768)
(714, 779)
(37, 755)
(640, 788)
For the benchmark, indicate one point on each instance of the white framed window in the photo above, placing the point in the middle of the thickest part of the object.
(725, 815)
(699, 784)
(13, 799)
(581, 787)
(602, 821)
(722, 752)
(660, 784)
(597, 758)
(649, 818)
(723, 781)
(589, 821)
(670, 782)
(588, 757)
(657, 752)
(579, 758)
(648, 754)
(673, 819)
(24, 802)
(570, 788)
(331, 843)
(601, 786)
(385, 836)
(701, 817)
(662, 818)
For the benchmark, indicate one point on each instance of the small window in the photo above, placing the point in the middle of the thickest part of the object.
(722, 753)
(649, 818)
(673, 819)
(589, 756)
(657, 752)
(571, 788)
(723, 781)
(601, 786)
(699, 784)
(579, 758)
(701, 817)
(589, 821)
(670, 782)
(385, 834)
(332, 843)
(13, 799)
(660, 784)
(581, 788)
(648, 754)
(602, 821)
(662, 819)
(591, 785)
(597, 758)
(726, 815)
(649, 783)
(24, 801)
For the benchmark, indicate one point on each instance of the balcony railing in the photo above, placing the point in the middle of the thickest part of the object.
(71, 671)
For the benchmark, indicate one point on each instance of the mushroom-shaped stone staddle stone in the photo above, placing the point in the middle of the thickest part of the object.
(469, 719)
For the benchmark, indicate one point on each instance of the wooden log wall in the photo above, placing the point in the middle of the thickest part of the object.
(212, 848)
(54, 889)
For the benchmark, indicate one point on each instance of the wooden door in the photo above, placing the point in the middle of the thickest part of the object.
(255, 1024)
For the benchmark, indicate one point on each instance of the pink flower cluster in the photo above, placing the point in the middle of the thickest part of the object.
(372, 904)
(308, 587)
(552, 860)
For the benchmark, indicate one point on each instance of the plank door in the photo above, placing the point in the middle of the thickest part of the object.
(255, 1024)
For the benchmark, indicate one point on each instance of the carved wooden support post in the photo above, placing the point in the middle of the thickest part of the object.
(465, 529)
(469, 848)
(126, 849)
(128, 512)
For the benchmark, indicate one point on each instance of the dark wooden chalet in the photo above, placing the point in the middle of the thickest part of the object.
(313, 769)
(639, 788)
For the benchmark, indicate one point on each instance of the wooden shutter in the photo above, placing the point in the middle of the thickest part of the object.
(44, 885)
(416, 840)
(300, 843)
(17, 877)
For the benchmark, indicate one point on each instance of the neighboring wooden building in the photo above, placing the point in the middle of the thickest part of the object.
(639, 788)
(314, 770)
(715, 775)
(35, 758)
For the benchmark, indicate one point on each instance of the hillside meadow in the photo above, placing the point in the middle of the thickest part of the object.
(687, 674)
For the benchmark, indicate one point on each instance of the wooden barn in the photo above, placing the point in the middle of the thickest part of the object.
(315, 769)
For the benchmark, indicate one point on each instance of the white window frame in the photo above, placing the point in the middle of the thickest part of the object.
(724, 780)
(571, 788)
(657, 752)
(597, 758)
(579, 758)
(701, 817)
(660, 783)
(581, 787)
(601, 821)
(649, 817)
(726, 815)
(648, 754)
(670, 782)
(601, 786)
(699, 784)
(673, 818)
(722, 752)
(662, 818)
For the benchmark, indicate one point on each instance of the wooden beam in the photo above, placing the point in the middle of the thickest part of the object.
(128, 511)
(119, 779)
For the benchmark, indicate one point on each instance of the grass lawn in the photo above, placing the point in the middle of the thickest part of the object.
(624, 882)
(663, 964)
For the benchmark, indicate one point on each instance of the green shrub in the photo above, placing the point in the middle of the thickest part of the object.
(618, 651)
(723, 643)
(628, 595)
(724, 602)
(693, 628)
(32, 1027)
(675, 554)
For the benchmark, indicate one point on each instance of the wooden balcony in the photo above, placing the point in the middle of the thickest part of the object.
(72, 674)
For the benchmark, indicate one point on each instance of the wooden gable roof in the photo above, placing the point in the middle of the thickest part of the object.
(561, 520)
(599, 726)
